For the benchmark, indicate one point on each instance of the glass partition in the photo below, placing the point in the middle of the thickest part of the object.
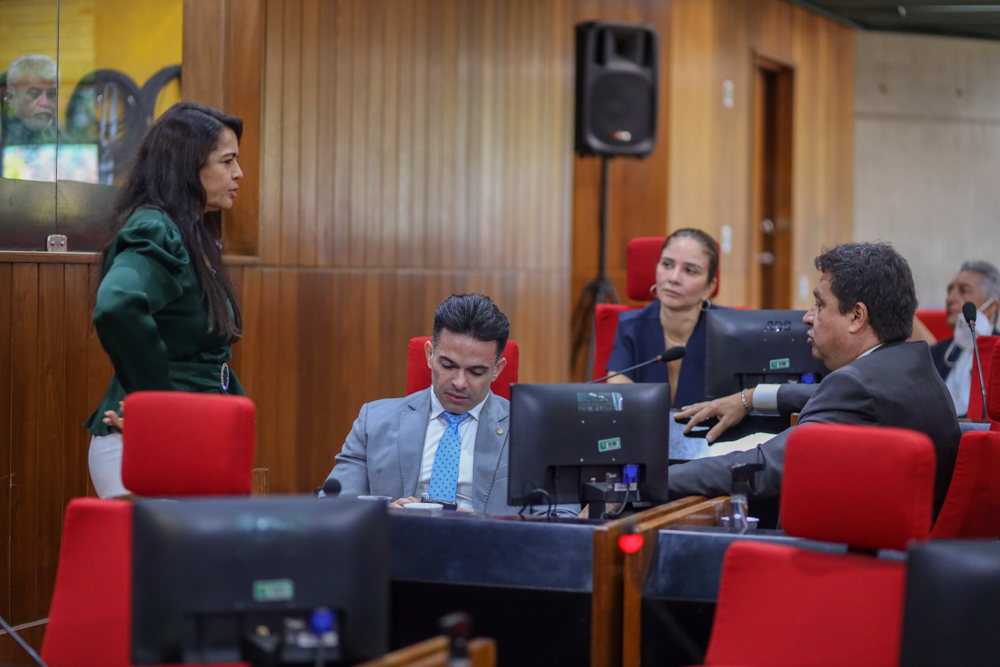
(82, 81)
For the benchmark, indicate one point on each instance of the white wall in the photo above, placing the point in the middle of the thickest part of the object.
(927, 152)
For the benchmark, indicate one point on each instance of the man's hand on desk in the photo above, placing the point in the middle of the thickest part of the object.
(729, 410)
(404, 501)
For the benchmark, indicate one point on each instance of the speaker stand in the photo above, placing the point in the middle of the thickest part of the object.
(598, 290)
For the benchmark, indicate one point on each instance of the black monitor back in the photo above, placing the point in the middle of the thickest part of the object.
(207, 571)
(562, 435)
(744, 348)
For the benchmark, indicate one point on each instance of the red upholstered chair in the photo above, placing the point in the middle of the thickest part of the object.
(936, 321)
(869, 487)
(993, 390)
(176, 444)
(605, 326)
(986, 345)
(971, 509)
(418, 375)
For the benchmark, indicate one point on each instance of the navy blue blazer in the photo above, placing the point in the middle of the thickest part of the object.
(640, 337)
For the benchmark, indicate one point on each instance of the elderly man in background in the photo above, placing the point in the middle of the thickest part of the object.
(979, 282)
(31, 93)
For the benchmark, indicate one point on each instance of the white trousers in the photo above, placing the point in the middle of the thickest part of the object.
(105, 461)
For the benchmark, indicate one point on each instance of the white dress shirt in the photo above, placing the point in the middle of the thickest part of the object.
(436, 425)
(765, 396)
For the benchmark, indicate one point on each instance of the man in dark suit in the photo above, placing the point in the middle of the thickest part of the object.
(859, 323)
(978, 282)
(449, 440)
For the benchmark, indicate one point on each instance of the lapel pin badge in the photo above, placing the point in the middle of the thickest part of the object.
(499, 431)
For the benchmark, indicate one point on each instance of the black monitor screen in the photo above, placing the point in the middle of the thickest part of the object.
(225, 580)
(563, 436)
(747, 347)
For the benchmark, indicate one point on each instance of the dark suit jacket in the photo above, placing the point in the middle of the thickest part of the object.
(896, 385)
(639, 337)
(382, 453)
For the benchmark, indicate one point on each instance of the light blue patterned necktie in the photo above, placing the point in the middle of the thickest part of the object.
(444, 474)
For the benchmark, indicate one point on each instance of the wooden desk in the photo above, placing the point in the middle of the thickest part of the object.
(433, 652)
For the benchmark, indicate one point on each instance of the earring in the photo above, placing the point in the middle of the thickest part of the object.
(652, 289)
(706, 304)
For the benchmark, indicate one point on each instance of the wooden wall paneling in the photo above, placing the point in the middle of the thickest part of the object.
(12, 654)
(372, 224)
(271, 134)
(386, 198)
(309, 113)
(773, 29)
(203, 55)
(99, 368)
(326, 87)
(357, 92)
(243, 62)
(345, 55)
(287, 380)
(24, 478)
(264, 385)
(76, 475)
(317, 423)
(51, 446)
(6, 432)
(291, 127)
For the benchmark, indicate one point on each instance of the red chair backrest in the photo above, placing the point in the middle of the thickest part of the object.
(971, 509)
(90, 620)
(90, 617)
(188, 444)
(884, 504)
(605, 326)
(993, 390)
(824, 608)
(418, 374)
(641, 257)
(936, 321)
(986, 345)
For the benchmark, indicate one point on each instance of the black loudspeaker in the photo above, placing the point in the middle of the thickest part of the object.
(617, 83)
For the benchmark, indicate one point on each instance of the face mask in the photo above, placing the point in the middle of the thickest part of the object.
(963, 334)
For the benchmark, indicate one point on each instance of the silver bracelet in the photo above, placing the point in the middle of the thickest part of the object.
(743, 397)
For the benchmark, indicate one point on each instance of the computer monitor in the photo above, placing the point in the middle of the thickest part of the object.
(584, 443)
(744, 348)
(225, 580)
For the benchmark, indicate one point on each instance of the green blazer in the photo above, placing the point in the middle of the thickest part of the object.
(151, 319)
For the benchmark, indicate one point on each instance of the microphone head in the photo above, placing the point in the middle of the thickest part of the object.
(331, 487)
(672, 354)
(969, 312)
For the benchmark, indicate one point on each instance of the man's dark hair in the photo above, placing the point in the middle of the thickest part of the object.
(879, 277)
(472, 315)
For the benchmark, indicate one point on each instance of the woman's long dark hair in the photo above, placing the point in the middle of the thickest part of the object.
(167, 176)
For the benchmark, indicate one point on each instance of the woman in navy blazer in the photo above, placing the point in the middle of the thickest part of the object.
(686, 276)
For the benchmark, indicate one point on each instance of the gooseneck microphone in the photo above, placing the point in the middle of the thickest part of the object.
(672, 354)
(969, 313)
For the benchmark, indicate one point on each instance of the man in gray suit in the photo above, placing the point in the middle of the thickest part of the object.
(859, 323)
(450, 440)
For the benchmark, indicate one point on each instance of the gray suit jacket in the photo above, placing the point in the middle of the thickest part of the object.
(896, 385)
(383, 451)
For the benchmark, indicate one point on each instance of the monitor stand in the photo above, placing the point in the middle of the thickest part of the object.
(598, 494)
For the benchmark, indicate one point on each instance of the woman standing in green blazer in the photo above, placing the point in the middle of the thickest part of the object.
(166, 312)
